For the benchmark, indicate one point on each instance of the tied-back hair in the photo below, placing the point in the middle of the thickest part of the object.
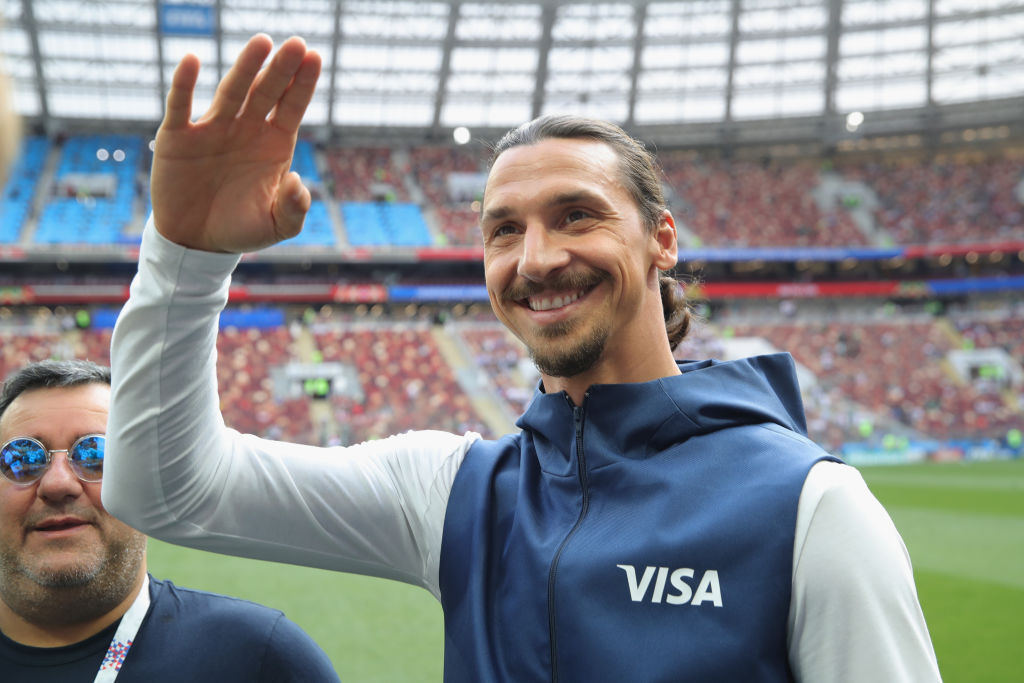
(640, 177)
(51, 374)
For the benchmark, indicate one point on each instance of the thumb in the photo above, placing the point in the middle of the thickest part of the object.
(290, 206)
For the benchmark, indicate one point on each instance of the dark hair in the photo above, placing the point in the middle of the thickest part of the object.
(51, 374)
(640, 176)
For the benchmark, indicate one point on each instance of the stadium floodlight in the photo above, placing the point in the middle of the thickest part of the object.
(854, 120)
(461, 135)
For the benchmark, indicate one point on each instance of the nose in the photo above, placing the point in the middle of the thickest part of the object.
(58, 481)
(543, 253)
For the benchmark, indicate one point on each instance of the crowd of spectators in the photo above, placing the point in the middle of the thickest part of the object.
(752, 204)
(897, 370)
(457, 219)
(947, 202)
(247, 394)
(366, 174)
(717, 202)
(868, 378)
(404, 381)
(503, 359)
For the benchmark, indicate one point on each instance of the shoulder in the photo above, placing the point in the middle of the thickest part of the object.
(833, 487)
(285, 651)
(207, 606)
(846, 542)
(853, 587)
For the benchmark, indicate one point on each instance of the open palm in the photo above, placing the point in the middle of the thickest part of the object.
(222, 183)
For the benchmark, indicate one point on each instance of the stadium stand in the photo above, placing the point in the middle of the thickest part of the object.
(21, 344)
(424, 196)
(366, 174)
(319, 229)
(247, 393)
(382, 224)
(871, 378)
(896, 369)
(433, 166)
(20, 191)
(877, 376)
(948, 202)
(95, 187)
(747, 204)
(504, 360)
(404, 380)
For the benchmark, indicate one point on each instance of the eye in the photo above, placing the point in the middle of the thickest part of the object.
(504, 230)
(576, 215)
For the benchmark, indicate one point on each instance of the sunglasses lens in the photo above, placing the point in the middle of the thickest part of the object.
(87, 457)
(23, 461)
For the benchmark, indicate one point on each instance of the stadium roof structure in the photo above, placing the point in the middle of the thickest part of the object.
(682, 72)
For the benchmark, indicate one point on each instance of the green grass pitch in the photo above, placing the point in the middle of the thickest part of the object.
(963, 525)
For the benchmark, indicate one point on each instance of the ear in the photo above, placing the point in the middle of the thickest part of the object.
(665, 243)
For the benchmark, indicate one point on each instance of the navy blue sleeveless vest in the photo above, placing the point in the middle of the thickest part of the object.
(644, 536)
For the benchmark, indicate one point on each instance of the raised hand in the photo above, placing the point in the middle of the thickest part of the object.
(222, 183)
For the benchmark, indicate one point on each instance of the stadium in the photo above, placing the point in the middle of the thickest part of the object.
(847, 178)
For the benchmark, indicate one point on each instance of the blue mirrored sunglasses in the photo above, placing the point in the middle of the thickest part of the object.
(24, 460)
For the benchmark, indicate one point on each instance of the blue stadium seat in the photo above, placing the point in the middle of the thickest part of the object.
(304, 164)
(93, 220)
(317, 230)
(379, 224)
(16, 200)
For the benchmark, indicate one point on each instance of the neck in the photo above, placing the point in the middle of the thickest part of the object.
(654, 364)
(57, 632)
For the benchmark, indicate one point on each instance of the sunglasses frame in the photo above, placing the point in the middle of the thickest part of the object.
(49, 458)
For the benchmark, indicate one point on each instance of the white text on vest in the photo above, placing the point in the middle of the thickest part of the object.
(708, 590)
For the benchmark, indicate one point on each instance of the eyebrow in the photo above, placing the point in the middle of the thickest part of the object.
(562, 199)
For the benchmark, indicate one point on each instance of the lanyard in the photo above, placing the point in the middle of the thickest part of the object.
(124, 636)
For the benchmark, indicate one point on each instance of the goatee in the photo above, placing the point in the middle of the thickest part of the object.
(565, 360)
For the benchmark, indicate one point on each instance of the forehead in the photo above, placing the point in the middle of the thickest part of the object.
(57, 412)
(557, 164)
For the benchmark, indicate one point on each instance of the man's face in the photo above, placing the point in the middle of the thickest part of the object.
(55, 537)
(570, 268)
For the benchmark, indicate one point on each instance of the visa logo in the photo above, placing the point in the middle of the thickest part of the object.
(679, 590)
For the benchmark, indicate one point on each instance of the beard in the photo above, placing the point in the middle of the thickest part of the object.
(561, 359)
(62, 595)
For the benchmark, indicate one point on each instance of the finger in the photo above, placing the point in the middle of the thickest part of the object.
(292, 105)
(234, 87)
(179, 99)
(290, 206)
(273, 81)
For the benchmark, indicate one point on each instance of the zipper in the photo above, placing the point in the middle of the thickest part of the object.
(577, 415)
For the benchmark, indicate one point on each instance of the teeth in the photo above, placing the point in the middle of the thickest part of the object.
(546, 304)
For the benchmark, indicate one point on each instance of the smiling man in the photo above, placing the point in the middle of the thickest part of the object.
(76, 602)
(572, 265)
(651, 520)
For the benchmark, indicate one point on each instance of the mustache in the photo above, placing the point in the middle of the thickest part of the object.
(524, 289)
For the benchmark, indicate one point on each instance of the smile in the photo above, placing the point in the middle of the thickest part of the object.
(547, 303)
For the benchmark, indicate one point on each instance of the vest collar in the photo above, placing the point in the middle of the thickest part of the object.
(637, 420)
